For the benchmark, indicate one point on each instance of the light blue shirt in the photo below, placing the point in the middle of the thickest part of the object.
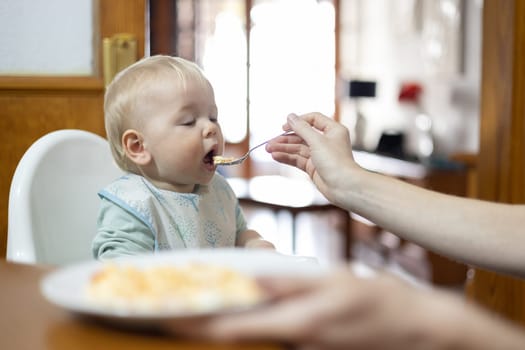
(136, 217)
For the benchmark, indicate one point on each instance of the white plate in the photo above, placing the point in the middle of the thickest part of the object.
(66, 286)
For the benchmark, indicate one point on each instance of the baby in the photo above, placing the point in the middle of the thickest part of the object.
(162, 126)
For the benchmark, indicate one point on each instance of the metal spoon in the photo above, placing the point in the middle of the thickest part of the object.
(220, 160)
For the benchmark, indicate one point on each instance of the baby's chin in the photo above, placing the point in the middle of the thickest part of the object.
(192, 182)
(205, 179)
(181, 186)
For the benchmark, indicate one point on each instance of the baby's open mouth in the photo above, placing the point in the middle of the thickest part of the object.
(208, 158)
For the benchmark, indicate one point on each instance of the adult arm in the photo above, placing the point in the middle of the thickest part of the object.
(342, 311)
(481, 233)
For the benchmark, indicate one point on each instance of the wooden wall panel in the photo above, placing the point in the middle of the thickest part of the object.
(124, 16)
(502, 136)
(27, 115)
(32, 106)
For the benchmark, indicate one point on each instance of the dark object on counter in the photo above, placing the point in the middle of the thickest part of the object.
(357, 90)
(391, 144)
(362, 88)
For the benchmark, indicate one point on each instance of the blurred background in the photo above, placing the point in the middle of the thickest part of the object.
(426, 87)
(403, 76)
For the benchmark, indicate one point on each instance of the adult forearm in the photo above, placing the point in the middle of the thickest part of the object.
(477, 232)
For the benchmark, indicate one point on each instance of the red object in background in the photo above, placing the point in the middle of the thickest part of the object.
(410, 92)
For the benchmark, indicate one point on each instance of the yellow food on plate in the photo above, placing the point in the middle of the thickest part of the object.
(222, 160)
(194, 287)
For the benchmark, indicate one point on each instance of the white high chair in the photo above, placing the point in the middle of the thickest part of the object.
(53, 201)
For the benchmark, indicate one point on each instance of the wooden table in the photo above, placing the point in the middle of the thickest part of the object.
(28, 321)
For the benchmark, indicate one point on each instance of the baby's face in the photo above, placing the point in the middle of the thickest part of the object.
(182, 134)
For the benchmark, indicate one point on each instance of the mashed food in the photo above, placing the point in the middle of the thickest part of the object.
(222, 160)
(190, 288)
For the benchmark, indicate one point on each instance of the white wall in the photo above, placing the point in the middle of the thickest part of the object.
(46, 37)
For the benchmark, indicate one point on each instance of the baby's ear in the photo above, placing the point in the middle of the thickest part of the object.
(133, 145)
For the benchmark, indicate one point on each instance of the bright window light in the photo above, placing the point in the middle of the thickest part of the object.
(292, 66)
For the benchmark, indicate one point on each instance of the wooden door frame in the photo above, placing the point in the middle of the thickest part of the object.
(501, 172)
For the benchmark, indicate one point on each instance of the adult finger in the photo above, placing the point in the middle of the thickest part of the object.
(288, 146)
(290, 159)
(310, 125)
(302, 127)
(286, 286)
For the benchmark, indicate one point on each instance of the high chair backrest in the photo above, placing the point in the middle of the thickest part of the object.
(53, 201)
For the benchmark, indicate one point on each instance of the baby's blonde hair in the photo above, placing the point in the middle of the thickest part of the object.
(130, 87)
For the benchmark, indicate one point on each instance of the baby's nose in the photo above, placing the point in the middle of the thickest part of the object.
(210, 129)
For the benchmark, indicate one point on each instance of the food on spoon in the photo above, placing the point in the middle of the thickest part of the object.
(196, 287)
(222, 160)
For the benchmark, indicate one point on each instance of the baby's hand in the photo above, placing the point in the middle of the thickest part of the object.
(259, 243)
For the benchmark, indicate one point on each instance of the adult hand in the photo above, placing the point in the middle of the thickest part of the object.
(321, 147)
(342, 311)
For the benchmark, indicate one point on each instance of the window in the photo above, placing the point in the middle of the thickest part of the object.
(283, 62)
(292, 64)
